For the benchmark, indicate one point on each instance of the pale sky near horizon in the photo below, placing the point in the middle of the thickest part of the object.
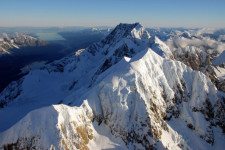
(150, 13)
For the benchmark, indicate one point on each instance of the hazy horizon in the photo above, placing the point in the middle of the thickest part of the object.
(105, 27)
(162, 13)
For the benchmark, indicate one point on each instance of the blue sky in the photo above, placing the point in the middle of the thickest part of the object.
(150, 13)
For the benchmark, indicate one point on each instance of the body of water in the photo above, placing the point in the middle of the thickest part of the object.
(49, 36)
(13, 67)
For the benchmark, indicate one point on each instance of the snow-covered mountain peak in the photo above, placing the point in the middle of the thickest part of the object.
(135, 30)
(161, 48)
(125, 92)
(139, 32)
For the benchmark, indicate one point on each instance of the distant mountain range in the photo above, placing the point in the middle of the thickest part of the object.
(135, 89)
(16, 41)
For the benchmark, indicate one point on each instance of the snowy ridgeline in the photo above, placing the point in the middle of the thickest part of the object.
(16, 41)
(129, 91)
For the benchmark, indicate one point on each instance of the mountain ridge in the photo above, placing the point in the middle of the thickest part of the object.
(122, 85)
(16, 41)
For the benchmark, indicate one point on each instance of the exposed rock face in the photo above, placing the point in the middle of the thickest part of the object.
(15, 41)
(68, 129)
(200, 61)
(10, 93)
(221, 85)
(196, 59)
(128, 94)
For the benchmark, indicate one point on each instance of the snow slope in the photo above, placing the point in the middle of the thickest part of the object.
(220, 59)
(57, 126)
(68, 77)
(161, 48)
(122, 95)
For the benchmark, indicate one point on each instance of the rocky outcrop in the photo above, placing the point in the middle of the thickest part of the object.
(198, 60)
(11, 93)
